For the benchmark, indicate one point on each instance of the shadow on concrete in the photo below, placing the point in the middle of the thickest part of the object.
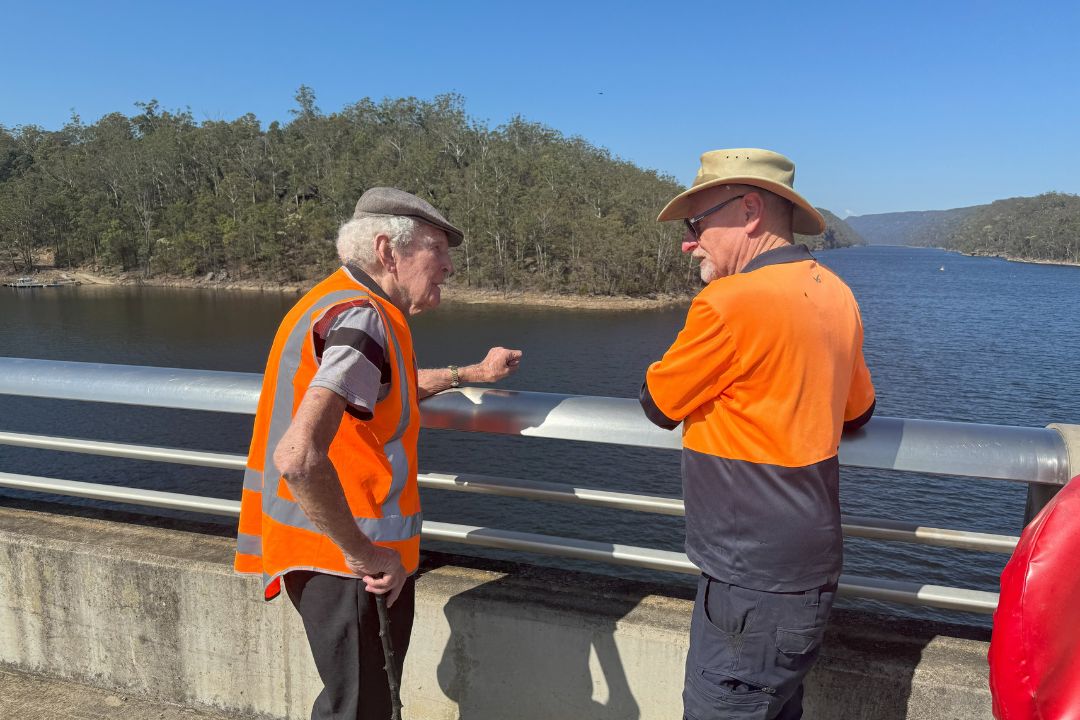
(869, 664)
(535, 640)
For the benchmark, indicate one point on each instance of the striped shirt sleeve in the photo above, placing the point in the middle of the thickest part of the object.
(350, 345)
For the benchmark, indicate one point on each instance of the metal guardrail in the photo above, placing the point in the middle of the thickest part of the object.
(853, 526)
(1033, 455)
(1026, 454)
(650, 558)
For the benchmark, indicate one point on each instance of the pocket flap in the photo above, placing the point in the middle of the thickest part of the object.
(796, 641)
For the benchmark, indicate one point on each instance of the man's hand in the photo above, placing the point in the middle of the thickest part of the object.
(499, 363)
(381, 571)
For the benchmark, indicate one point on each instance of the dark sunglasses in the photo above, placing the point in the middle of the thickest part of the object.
(691, 223)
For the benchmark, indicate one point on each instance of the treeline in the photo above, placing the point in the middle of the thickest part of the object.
(1045, 227)
(160, 193)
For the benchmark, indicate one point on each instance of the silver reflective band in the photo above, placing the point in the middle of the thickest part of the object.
(394, 448)
(392, 529)
(248, 544)
(253, 480)
(384, 529)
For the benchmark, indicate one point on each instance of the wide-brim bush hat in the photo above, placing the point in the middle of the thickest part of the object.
(749, 166)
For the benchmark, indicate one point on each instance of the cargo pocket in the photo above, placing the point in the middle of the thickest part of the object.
(797, 648)
(724, 618)
(711, 695)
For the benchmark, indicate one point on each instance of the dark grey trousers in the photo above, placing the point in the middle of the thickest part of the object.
(750, 650)
(342, 626)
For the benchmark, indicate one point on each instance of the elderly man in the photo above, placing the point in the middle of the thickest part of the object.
(765, 375)
(338, 422)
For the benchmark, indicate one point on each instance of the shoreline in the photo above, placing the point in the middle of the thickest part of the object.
(1027, 261)
(1007, 258)
(451, 295)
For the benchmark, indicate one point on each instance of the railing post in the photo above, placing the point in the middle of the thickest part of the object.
(1039, 496)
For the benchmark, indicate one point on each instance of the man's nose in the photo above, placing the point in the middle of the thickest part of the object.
(689, 246)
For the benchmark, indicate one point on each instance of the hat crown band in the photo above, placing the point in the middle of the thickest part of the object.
(748, 166)
(746, 170)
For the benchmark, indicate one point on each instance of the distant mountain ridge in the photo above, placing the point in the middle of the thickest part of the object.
(915, 227)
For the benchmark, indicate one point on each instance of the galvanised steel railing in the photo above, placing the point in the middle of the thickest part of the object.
(1033, 455)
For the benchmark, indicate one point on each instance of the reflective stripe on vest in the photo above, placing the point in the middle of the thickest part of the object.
(393, 526)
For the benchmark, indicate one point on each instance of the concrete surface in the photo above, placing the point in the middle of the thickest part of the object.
(35, 697)
(156, 613)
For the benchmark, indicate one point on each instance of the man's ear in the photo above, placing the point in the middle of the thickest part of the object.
(753, 210)
(385, 252)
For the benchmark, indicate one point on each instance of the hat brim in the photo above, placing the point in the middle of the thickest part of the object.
(806, 220)
(454, 237)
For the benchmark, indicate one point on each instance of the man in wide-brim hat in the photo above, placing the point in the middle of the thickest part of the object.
(764, 376)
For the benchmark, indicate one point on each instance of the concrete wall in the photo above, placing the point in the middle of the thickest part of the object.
(159, 613)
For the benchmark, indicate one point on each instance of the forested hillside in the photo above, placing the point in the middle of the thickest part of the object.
(1045, 228)
(161, 193)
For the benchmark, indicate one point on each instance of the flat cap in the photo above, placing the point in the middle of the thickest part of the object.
(391, 201)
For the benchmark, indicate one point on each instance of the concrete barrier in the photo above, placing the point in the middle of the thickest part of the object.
(157, 612)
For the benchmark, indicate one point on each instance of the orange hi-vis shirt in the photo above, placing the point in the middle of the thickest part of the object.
(373, 453)
(764, 375)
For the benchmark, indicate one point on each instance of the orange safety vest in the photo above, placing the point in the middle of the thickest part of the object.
(375, 459)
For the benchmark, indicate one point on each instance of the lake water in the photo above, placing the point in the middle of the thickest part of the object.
(948, 337)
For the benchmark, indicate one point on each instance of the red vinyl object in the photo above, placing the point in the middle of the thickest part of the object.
(1035, 647)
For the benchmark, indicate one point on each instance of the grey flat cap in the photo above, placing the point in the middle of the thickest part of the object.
(391, 201)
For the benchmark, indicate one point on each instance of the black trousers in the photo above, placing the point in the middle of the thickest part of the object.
(342, 625)
(750, 650)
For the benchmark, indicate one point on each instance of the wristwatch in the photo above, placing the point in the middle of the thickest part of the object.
(455, 381)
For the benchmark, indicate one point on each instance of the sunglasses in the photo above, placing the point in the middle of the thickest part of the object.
(691, 223)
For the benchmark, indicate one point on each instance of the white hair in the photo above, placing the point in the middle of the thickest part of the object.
(356, 238)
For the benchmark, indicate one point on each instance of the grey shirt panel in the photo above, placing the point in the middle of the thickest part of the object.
(354, 342)
(765, 527)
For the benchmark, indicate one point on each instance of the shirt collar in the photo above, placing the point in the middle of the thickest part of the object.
(367, 281)
(779, 256)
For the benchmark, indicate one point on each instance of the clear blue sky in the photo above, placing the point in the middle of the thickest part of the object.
(883, 106)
